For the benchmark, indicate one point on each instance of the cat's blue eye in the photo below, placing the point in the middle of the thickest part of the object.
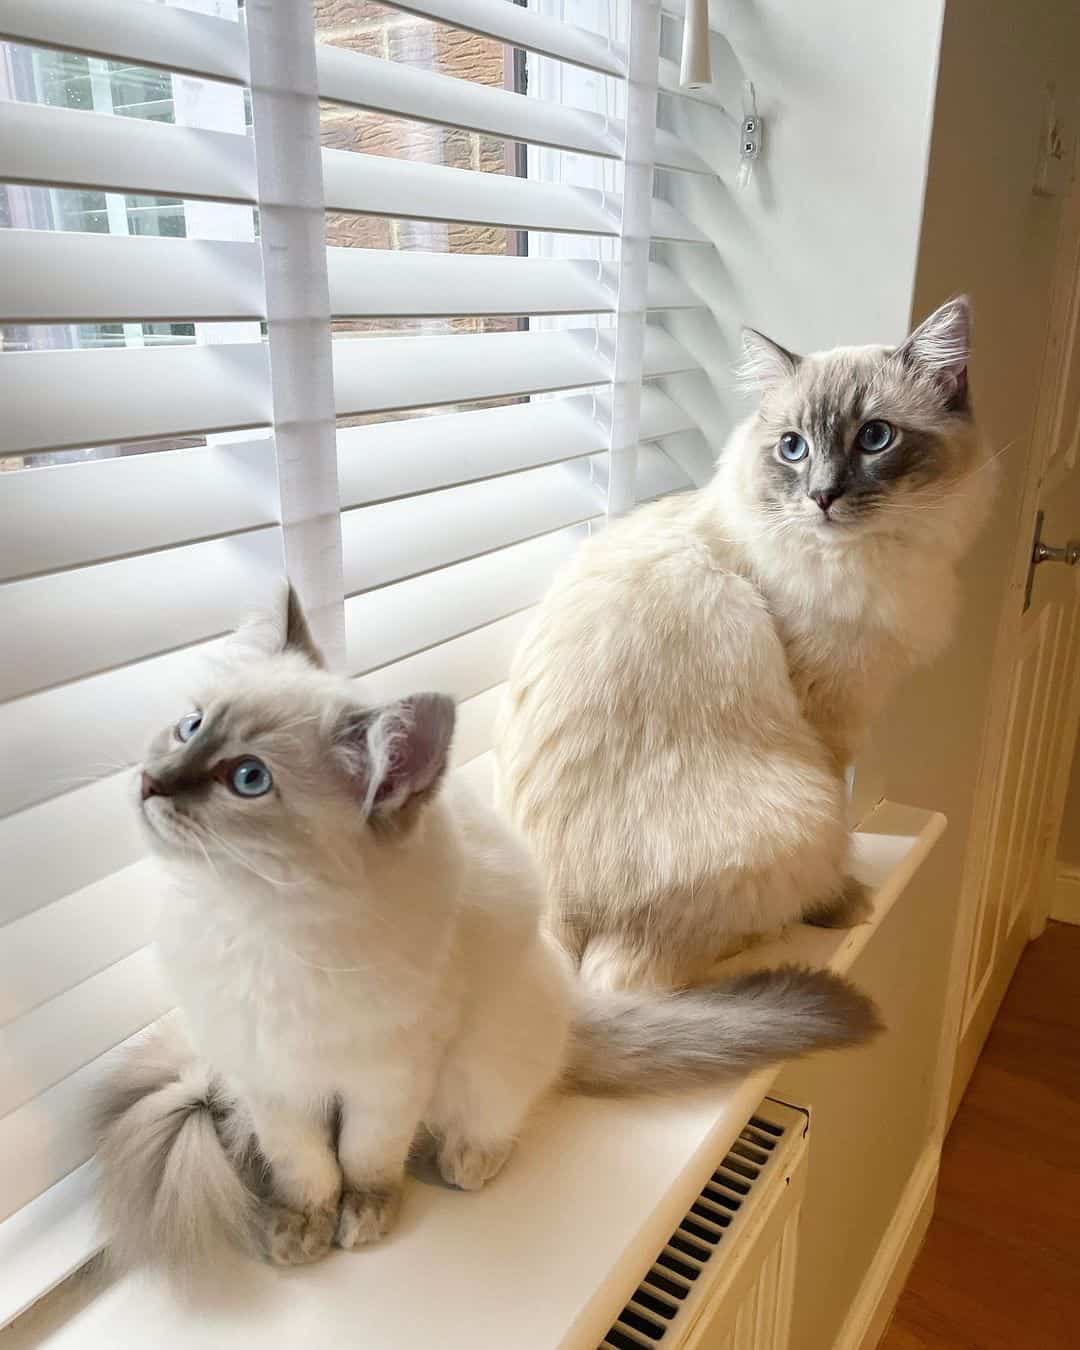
(188, 726)
(874, 437)
(250, 778)
(792, 447)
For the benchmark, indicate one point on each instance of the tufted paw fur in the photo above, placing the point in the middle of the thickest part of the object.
(294, 1237)
(852, 906)
(367, 1215)
(468, 1165)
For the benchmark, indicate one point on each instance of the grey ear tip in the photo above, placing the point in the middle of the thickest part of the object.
(444, 705)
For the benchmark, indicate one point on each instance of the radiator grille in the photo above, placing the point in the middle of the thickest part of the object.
(653, 1317)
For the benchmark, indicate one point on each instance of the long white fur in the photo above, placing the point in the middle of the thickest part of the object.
(681, 710)
(351, 971)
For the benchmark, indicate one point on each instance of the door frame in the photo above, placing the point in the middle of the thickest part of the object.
(959, 1049)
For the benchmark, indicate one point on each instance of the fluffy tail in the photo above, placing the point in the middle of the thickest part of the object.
(173, 1157)
(629, 1043)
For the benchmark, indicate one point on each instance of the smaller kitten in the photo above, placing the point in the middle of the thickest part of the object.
(358, 951)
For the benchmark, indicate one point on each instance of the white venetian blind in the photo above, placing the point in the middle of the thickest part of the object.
(419, 474)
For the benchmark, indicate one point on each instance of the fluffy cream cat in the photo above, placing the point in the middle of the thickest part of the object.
(358, 953)
(680, 713)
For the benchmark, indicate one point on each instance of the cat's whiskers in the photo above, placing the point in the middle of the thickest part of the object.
(326, 970)
(244, 861)
(942, 500)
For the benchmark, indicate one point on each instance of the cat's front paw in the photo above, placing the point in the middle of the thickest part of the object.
(295, 1237)
(367, 1215)
(468, 1165)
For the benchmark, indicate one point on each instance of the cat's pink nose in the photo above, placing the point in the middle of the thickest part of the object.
(825, 497)
(150, 787)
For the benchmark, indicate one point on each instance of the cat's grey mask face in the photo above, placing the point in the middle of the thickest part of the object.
(859, 438)
(279, 753)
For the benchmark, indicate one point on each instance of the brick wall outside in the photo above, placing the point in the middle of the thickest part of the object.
(378, 30)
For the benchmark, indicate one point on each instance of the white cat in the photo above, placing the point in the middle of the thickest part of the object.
(358, 952)
(680, 713)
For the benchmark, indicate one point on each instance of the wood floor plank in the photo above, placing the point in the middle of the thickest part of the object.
(1000, 1269)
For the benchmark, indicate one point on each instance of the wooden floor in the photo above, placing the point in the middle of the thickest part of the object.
(1001, 1266)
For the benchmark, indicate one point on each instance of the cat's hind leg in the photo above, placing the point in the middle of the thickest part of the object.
(852, 906)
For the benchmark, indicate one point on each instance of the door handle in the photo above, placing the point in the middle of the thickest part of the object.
(1068, 553)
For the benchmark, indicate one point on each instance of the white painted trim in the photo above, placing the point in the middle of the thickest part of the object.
(1065, 906)
(872, 1308)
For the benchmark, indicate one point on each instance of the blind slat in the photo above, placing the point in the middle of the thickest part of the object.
(376, 283)
(657, 474)
(474, 730)
(392, 87)
(378, 374)
(65, 147)
(48, 1240)
(373, 283)
(73, 514)
(56, 400)
(463, 667)
(395, 459)
(663, 355)
(132, 30)
(68, 736)
(381, 186)
(50, 1136)
(387, 543)
(526, 29)
(100, 617)
(56, 1039)
(86, 932)
(386, 460)
(398, 621)
(49, 276)
(479, 774)
(100, 836)
(371, 82)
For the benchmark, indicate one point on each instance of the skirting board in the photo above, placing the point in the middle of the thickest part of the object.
(1066, 905)
(873, 1305)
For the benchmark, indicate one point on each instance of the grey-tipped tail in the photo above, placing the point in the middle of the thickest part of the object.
(172, 1160)
(628, 1043)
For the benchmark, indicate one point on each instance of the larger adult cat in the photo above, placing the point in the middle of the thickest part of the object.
(357, 949)
(682, 708)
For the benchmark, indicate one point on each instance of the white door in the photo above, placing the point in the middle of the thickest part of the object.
(1035, 701)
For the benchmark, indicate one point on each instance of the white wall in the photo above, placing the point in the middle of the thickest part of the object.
(836, 241)
(820, 248)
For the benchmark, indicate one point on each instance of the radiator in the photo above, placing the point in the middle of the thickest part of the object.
(725, 1279)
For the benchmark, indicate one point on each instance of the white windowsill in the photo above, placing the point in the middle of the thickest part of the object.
(543, 1258)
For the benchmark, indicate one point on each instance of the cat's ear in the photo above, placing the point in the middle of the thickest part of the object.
(941, 347)
(297, 633)
(764, 362)
(279, 628)
(395, 756)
